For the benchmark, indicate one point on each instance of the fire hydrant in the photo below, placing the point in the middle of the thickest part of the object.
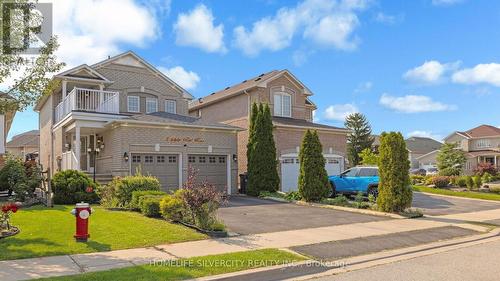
(82, 213)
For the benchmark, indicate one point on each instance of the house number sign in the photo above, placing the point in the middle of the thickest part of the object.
(184, 140)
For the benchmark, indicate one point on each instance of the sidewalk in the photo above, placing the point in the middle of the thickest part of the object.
(79, 263)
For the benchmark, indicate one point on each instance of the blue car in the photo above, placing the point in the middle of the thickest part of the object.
(354, 180)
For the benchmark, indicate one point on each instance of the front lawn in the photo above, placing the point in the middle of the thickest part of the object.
(48, 232)
(466, 194)
(191, 268)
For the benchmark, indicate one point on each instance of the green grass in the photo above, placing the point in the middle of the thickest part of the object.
(191, 268)
(48, 232)
(467, 194)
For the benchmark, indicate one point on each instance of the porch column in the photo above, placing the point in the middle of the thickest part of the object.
(229, 159)
(101, 95)
(77, 147)
(64, 88)
(495, 160)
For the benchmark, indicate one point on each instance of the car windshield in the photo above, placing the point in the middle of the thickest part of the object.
(350, 173)
(432, 170)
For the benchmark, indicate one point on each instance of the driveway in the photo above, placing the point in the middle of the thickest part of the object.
(249, 215)
(439, 205)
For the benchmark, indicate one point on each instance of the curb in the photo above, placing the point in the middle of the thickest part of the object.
(339, 208)
(459, 197)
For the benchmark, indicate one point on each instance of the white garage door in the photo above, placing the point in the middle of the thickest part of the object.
(163, 166)
(290, 168)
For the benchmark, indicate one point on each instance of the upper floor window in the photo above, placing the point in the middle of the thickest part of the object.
(170, 106)
(483, 143)
(151, 105)
(133, 104)
(282, 105)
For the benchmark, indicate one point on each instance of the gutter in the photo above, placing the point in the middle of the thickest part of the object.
(158, 124)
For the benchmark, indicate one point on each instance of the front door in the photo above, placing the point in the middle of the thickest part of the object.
(87, 161)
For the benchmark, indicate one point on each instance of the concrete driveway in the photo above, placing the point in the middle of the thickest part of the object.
(249, 215)
(439, 205)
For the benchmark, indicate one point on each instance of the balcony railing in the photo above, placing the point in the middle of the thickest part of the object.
(90, 100)
(68, 161)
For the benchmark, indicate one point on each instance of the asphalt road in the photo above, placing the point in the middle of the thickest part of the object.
(478, 263)
(440, 205)
(249, 215)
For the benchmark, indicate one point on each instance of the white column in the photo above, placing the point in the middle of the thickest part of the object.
(180, 170)
(64, 88)
(229, 159)
(77, 147)
(495, 160)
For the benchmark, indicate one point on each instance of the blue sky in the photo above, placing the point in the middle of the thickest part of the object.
(422, 67)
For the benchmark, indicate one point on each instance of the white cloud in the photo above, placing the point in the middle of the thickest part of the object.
(430, 72)
(482, 73)
(186, 79)
(327, 23)
(445, 2)
(340, 111)
(413, 104)
(90, 30)
(197, 29)
(363, 87)
(425, 134)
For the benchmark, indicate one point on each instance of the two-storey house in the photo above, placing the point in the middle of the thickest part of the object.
(292, 108)
(122, 116)
(481, 144)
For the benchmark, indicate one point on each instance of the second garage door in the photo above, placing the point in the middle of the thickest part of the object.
(163, 166)
(212, 168)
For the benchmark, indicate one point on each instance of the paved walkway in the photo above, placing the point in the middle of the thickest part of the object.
(74, 264)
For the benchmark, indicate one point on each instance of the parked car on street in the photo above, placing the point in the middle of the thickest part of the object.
(431, 171)
(356, 179)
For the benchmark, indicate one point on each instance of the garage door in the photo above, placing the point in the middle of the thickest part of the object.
(210, 168)
(290, 168)
(163, 166)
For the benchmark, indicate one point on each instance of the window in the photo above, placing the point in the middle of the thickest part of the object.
(282, 105)
(148, 159)
(368, 172)
(172, 159)
(151, 105)
(351, 172)
(133, 104)
(160, 159)
(170, 106)
(482, 143)
(191, 159)
(202, 159)
(288, 161)
(222, 159)
(211, 159)
(333, 161)
(136, 159)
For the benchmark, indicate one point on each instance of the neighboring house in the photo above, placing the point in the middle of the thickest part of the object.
(376, 143)
(419, 147)
(25, 144)
(5, 123)
(122, 116)
(481, 144)
(292, 110)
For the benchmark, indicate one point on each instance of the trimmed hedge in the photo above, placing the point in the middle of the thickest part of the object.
(172, 208)
(118, 193)
(150, 205)
(136, 195)
(441, 181)
(71, 186)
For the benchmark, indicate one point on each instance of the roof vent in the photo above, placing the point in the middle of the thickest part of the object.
(257, 79)
(244, 81)
(227, 88)
(212, 93)
(261, 75)
(200, 100)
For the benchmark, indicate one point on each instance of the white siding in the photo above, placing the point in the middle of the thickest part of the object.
(2, 134)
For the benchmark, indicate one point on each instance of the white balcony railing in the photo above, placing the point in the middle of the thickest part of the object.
(68, 161)
(90, 100)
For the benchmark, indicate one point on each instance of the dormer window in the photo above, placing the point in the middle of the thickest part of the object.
(151, 105)
(282, 105)
(170, 106)
(133, 104)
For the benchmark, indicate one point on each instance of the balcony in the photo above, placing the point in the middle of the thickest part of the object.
(88, 100)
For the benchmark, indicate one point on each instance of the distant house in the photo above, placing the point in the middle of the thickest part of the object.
(481, 144)
(5, 123)
(421, 150)
(25, 144)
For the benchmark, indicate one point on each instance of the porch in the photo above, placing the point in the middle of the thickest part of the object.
(88, 100)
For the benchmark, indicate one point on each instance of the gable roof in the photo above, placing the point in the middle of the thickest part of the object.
(422, 145)
(30, 138)
(247, 84)
(72, 73)
(481, 131)
(185, 93)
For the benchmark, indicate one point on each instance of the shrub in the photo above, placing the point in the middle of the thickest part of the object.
(340, 200)
(469, 182)
(294, 195)
(461, 181)
(451, 171)
(118, 193)
(150, 205)
(359, 201)
(485, 167)
(428, 180)
(71, 186)
(136, 195)
(21, 178)
(477, 181)
(313, 179)
(172, 208)
(450, 160)
(486, 178)
(453, 180)
(417, 179)
(395, 193)
(441, 181)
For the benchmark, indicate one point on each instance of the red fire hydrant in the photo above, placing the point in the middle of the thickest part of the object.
(82, 213)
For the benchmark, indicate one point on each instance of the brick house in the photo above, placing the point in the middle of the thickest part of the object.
(122, 116)
(24, 145)
(292, 110)
(6, 119)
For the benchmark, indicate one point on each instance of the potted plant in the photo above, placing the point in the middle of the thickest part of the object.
(6, 229)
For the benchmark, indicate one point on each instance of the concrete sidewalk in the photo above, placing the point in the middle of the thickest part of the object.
(79, 263)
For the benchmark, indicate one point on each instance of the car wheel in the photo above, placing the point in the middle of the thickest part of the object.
(373, 190)
(332, 190)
